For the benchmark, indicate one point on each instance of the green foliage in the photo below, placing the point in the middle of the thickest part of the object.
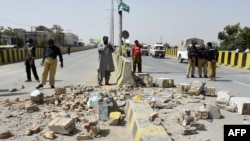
(41, 44)
(234, 37)
(20, 42)
(58, 34)
(166, 45)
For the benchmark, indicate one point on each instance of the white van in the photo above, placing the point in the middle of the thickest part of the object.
(183, 46)
(157, 50)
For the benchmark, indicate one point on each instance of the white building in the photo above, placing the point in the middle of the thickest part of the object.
(71, 39)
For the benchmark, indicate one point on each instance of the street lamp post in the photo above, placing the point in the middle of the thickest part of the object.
(120, 30)
(112, 23)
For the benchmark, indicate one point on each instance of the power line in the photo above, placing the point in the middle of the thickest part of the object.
(3, 19)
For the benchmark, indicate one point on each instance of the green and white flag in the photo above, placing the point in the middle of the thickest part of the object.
(123, 6)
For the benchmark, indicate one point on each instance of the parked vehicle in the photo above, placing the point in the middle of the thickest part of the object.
(157, 50)
(145, 50)
(183, 46)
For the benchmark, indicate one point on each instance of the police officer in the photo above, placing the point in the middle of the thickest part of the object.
(212, 57)
(192, 54)
(202, 62)
(50, 64)
(30, 61)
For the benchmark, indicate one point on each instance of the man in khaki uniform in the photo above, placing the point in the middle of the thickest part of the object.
(212, 57)
(192, 54)
(50, 64)
(202, 62)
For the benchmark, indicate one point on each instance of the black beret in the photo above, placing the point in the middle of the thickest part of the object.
(29, 41)
(50, 41)
(209, 44)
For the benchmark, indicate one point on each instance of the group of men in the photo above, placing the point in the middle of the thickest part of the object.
(205, 58)
(49, 63)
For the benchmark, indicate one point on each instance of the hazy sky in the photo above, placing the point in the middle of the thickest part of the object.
(148, 21)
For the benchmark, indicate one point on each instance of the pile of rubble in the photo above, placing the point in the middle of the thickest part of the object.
(79, 109)
(61, 112)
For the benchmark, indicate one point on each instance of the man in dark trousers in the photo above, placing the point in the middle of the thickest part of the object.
(106, 64)
(202, 62)
(30, 60)
(50, 64)
(192, 54)
(136, 56)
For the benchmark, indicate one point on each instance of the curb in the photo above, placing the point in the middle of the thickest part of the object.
(142, 129)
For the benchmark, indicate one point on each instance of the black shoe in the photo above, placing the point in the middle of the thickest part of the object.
(107, 83)
(52, 86)
(27, 80)
(39, 86)
(205, 76)
(200, 76)
(192, 76)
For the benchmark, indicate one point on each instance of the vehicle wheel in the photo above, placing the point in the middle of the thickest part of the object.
(179, 59)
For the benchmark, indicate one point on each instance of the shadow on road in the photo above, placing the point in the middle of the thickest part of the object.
(4, 90)
(13, 94)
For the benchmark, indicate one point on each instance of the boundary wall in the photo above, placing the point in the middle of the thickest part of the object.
(18, 55)
(227, 58)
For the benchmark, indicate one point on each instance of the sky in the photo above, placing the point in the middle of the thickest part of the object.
(148, 21)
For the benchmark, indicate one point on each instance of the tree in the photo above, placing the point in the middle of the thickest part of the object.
(1, 31)
(9, 31)
(20, 42)
(233, 37)
(58, 33)
(166, 45)
(245, 36)
(42, 28)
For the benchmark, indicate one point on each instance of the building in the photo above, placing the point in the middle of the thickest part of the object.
(71, 39)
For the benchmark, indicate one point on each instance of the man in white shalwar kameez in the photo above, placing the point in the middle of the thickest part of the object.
(106, 64)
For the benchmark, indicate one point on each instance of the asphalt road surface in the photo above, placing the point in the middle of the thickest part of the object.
(81, 68)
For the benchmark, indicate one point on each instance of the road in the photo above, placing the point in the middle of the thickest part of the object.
(81, 68)
(236, 80)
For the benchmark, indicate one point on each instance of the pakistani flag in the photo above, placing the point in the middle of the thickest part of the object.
(123, 6)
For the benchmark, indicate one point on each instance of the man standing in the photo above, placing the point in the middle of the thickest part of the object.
(50, 64)
(212, 57)
(202, 62)
(124, 49)
(136, 56)
(192, 54)
(30, 61)
(106, 65)
(68, 49)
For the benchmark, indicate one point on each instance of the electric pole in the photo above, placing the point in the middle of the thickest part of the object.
(112, 23)
(120, 29)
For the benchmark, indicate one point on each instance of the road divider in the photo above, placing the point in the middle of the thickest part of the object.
(124, 74)
(138, 114)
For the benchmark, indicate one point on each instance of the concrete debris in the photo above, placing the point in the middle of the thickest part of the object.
(5, 135)
(48, 134)
(62, 125)
(87, 108)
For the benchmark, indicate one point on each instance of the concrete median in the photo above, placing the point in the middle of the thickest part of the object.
(142, 129)
(123, 69)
